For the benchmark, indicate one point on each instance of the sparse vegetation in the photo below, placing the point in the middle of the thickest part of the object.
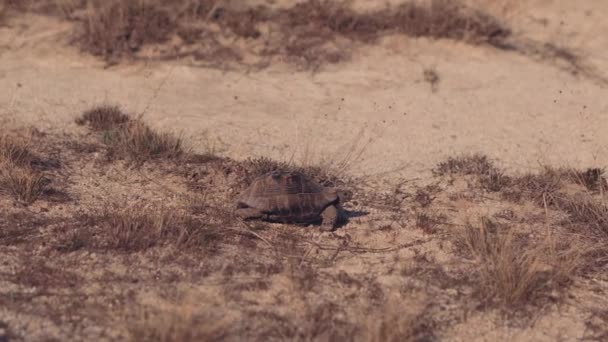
(428, 223)
(14, 151)
(513, 272)
(103, 118)
(115, 27)
(23, 184)
(128, 138)
(155, 252)
(138, 142)
(175, 324)
(514, 267)
(307, 32)
(475, 164)
(395, 326)
(17, 176)
(132, 228)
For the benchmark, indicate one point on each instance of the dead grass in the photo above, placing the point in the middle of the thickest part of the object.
(174, 324)
(475, 164)
(490, 177)
(137, 142)
(428, 223)
(131, 228)
(395, 325)
(15, 151)
(24, 184)
(104, 117)
(305, 33)
(517, 270)
(512, 271)
(128, 138)
(584, 203)
(114, 27)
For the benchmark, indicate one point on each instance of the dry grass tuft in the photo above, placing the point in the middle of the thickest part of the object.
(131, 229)
(490, 177)
(396, 326)
(428, 223)
(115, 27)
(587, 215)
(24, 184)
(512, 272)
(14, 151)
(102, 118)
(137, 142)
(593, 179)
(475, 164)
(175, 324)
(128, 138)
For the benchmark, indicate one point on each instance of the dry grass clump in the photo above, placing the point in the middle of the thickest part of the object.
(132, 229)
(174, 324)
(490, 177)
(476, 164)
(513, 272)
(428, 223)
(14, 151)
(128, 138)
(393, 325)
(137, 142)
(17, 176)
(587, 215)
(115, 27)
(104, 117)
(593, 179)
(586, 207)
(24, 184)
(306, 32)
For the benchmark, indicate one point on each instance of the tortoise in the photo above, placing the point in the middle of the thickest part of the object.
(289, 197)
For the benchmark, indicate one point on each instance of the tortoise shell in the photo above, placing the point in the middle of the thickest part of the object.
(287, 197)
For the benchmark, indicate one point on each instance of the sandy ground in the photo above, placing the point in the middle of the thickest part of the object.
(522, 111)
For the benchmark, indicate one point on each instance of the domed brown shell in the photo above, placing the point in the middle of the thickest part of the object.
(287, 196)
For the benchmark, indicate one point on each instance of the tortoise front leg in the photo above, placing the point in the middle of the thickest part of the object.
(330, 218)
(249, 213)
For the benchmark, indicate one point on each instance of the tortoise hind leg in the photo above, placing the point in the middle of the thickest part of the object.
(330, 218)
(249, 213)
